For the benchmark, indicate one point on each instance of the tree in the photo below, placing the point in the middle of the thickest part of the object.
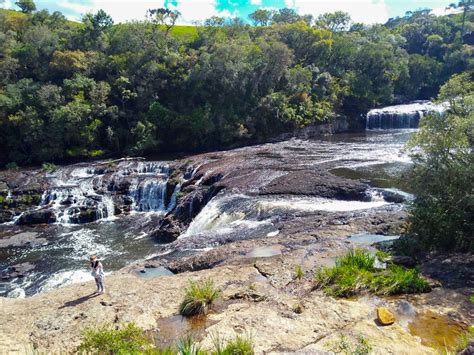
(261, 17)
(163, 17)
(26, 6)
(286, 16)
(335, 22)
(442, 216)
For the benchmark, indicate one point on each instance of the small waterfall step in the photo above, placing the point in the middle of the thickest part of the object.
(401, 116)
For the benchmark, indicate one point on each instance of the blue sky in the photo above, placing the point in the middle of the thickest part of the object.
(367, 11)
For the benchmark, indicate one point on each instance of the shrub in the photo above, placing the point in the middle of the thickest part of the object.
(106, 339)
(187, 346)
(442, 215)
(355, 273)
(198, 298)
(48, 167)
(299, 273)
(12, 166)
(346, 347)
(240, 345)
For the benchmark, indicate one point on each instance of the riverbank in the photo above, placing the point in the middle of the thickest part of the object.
(260, 296)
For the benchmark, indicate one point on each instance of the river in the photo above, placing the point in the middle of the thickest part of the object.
(119, 209)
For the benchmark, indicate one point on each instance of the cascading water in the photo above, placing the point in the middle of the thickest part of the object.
(401, 116)
(74, 199)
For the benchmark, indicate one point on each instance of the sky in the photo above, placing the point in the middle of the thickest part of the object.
(194, 11)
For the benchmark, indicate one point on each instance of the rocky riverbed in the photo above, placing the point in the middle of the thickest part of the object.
(244, 218)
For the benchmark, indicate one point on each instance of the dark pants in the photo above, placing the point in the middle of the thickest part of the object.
(99, 281)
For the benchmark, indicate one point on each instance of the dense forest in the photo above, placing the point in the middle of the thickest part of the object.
(71, 90)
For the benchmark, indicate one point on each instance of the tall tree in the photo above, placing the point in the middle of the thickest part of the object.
(261, 17)
(26, 6)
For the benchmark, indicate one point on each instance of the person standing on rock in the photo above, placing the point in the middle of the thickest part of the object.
(97, 271)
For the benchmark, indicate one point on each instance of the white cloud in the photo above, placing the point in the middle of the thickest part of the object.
(366, 11)
(256, 2)
(7, 4)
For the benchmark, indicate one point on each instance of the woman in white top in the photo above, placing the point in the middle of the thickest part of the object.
(97, 271)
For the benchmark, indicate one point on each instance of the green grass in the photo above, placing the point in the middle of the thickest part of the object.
(299, 273)
(240, 345)
(48, 167)
(198, 298)
(465, 339)
(185, 33)
(346, 347)
(106, 339)
(188, 346)
(355, 273)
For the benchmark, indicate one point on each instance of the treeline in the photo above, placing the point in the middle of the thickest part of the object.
(75, 90)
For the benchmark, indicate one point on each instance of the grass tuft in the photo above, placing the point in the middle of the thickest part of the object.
(240, 345)
(198, 298)
(299, 273)
(355, 273)
(106, 339)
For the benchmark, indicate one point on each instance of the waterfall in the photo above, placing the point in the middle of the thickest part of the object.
(74, 199)
(401, 116)
(149, 195)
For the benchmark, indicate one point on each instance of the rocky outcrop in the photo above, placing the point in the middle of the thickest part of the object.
(41, 216)
(168, 230)
(305, 182)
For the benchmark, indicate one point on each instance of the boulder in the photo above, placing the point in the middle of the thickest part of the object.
(168, 231)
(306, 182)
(42, 216)
(403, 260)
(6, 216)
(393, 196)
(384, 316)
(83, 215)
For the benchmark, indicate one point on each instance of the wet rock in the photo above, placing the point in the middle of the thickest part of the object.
(83, 215)
(402, 260)
(384, 316)
(6, 216)
(16, 271)
(393, 196)
(316, 184)
(42, 216)
(168, 231)
(190, 205)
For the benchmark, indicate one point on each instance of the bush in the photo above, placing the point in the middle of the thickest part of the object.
(198, 298)
(48, 167)
(442, 215)
(12, 166)
(345, 346)
(240, 345)
(106, 339)
(188, 346)
(355, 273)
(299, 273)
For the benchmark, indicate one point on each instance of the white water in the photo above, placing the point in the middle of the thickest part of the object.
(229, 211)
(401, 116)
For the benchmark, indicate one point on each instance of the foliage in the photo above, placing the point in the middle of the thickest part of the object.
(442, 216)
(71, 90)
(12, 166)
(106, 339)
(355, 273)
(346, 347)
(48, 167)
(240, 345)
(299, 273)
(198, 297)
